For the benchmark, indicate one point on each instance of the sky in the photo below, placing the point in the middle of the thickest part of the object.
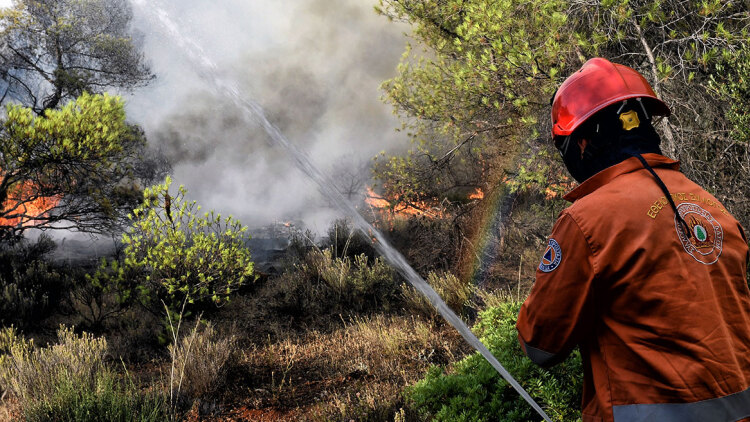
(315, 65)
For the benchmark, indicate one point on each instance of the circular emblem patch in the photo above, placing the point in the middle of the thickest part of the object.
(552, 257)
(707, 235)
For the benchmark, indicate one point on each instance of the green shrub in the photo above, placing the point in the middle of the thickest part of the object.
(475, 392)
(353, 282)
(69, 381)
(731, 82)
(730, 154)
(109, 401)
(322, 286)
(181, 255)
(104, 296)
(31, 288)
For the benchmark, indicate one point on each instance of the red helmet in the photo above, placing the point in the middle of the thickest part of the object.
(598, 84)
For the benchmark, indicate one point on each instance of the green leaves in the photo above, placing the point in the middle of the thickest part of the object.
(731, 81)
(475, 89)
(78, 159)
(473, 391)
(88, 128)
(486, 69)
(57, 50)
(185, 256)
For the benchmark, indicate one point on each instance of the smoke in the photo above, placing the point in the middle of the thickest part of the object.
(315, 65)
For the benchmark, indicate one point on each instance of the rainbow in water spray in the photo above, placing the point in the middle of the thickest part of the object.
(253, 112)
(490, 232)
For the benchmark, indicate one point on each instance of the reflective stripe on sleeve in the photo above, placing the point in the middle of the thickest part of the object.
(721, 409)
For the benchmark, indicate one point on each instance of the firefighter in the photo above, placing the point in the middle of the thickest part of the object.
(645, 272)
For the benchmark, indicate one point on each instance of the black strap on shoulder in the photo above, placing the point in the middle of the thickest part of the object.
(664, 189)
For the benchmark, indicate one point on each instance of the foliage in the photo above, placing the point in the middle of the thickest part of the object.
(673, 43)
(71, 168)
(473, 87)
(474, 90)
(454, 292)
(353, 282)
(99, 299)
(428, 244)
(731, 83)
(683, 47)
(475, 392)
(31, 288)
(54, 50)
(323, 286)
(180, 256)
(69, 381)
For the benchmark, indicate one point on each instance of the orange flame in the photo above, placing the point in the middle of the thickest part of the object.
(559, 189)
(394, 209)
(28, 211)
(478, 194)
(375, 200)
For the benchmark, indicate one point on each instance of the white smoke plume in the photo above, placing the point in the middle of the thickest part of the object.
(315, 65)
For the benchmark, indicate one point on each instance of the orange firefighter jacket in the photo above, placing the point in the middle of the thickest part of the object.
(662, 319)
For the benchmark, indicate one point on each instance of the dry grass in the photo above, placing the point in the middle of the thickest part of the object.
(356, 372)
(202, 359)
(310, 353)
(10, 409)
(69, 381)
(453, 291)
(29, 373)
(314, 294)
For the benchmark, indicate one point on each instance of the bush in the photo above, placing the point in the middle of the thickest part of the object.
(428, 244)
(345, 240)
(453, 291)
(69, 381)
(30, 287)
(182, 256)
(323, 287)
(728, 157)
(99, 299)
(475, 392)
(353, 283)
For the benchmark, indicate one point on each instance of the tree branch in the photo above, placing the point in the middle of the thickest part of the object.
(670, 147)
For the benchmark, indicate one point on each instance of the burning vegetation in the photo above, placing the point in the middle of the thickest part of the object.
(395, 208)
(478, 194)
(24, 206)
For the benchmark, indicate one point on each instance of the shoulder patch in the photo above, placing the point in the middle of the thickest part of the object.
(552, 257)
(707, 238)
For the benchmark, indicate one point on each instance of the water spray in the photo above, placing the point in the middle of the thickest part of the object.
(253, 112)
